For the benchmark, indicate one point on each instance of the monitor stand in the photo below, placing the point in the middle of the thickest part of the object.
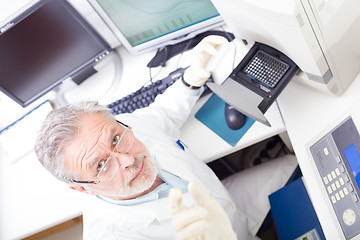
(81, 76)
(98, 83)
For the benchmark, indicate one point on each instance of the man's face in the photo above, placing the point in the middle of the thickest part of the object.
(92, 146)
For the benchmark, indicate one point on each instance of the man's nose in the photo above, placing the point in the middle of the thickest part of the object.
(125, 160)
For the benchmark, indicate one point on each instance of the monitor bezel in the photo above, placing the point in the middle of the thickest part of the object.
(27, 10)
(167, 39)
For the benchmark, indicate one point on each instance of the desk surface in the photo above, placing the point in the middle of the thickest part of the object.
(32, 200)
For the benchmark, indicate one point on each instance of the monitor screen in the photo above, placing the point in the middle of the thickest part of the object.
(142, 25)
(44, 45)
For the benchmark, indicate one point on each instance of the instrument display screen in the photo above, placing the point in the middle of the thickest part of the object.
(353, 158)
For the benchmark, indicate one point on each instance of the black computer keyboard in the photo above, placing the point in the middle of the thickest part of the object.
(146, 95)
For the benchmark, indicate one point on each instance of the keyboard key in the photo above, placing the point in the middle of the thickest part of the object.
(145, 95)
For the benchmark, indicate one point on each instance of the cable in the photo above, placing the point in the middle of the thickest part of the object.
(151, 79)
(117, 76)
(233, 42)
(184, 50)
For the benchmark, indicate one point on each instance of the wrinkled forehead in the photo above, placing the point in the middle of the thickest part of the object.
(93, 137)
(94, 128)
(96, 122)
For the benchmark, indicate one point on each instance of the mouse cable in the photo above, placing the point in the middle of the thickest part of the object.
(233, 43)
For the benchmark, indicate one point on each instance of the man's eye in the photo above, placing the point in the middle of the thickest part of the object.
(115, 139)
(100, 165)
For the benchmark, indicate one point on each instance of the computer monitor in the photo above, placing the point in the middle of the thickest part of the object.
(43, 45)
(142, 25)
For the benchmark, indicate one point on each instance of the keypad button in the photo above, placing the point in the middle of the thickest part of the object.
(329, 177)
(337, 171)
(326, 151)
(337, 196)
(329, 189)
(333, 199)
(333, 187)
(349, 217)
(333, 174)
(342, 195)
(337, 183)
(326, 181)
(341, 180)
(346, 191)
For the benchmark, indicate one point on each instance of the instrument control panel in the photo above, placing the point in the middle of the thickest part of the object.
(336, 155)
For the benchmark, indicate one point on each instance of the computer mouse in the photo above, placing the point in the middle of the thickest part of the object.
(234, 119)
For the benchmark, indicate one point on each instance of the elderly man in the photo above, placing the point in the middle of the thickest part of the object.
(148, 184)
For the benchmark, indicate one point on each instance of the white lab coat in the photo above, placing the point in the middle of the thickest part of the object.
(158, 127)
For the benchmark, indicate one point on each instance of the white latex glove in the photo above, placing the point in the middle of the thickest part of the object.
(196, 75)
(206, 221)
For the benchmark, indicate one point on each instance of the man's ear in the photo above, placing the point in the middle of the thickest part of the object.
(80, 188)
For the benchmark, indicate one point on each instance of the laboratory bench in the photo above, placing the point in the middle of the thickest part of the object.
(31, 200)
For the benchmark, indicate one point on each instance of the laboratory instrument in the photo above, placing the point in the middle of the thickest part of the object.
(321, 37)
(336, 155)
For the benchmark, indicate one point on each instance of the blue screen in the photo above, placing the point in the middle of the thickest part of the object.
(353, 158)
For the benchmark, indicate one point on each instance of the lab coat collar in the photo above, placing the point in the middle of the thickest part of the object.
(170, 181)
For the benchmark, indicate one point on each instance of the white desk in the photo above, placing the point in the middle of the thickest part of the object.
(307, 113)
(32, 200)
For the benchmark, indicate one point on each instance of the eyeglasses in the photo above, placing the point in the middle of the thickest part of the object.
(108, 168)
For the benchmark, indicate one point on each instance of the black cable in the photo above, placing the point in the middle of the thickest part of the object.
(151, 82)
(233, 42)
(184, 50)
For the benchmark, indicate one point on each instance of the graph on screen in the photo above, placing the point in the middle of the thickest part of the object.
(141, 20)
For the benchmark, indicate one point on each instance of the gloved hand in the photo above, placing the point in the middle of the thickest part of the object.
(206, 221)
(196, 75)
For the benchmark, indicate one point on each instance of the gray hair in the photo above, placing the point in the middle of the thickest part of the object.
(58, 129)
